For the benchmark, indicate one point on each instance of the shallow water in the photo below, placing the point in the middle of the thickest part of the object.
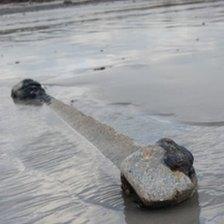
(163, 77)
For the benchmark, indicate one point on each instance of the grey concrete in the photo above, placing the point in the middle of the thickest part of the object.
(155, 183)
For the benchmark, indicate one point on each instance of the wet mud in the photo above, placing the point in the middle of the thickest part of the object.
(169, 85)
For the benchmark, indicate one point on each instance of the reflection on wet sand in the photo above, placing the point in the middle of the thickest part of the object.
(185, 213)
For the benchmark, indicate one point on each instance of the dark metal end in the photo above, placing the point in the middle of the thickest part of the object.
(177, 157)
(29, 91)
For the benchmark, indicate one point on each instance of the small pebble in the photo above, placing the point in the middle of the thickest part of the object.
(99, 68)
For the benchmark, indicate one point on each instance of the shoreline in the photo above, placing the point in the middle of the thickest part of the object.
(23, 6)
(22, 1)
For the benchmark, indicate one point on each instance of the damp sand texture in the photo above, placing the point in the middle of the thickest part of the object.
(163, 76)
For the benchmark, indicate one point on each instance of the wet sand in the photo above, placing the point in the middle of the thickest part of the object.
(22, 1)
(162, 77)
(24, 6)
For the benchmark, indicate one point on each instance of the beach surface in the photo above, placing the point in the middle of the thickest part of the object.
(149, 69)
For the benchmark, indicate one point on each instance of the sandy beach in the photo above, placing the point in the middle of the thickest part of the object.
(149, 69)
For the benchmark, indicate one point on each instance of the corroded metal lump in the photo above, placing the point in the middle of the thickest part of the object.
(30, 92)
(177, 157)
